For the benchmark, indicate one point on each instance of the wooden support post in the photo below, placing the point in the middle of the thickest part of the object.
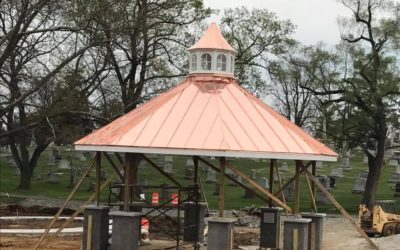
(117, 171)
(233, 179)
(196, 168)
(161, 170)
(272, 163)
(289, 181)
(73, 191)
(313, 188)
(297, 191)
(340, 208)
(127, 189)
(258, 187)
(98, 169)
(222, 162)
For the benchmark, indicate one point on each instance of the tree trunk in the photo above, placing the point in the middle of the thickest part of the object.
(25, 178)
(375, 166)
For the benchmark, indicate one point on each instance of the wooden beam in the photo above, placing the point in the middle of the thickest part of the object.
(196, 169)
(234, 180)
(169, 177)
(73, 191)
(288, 182)
(98, 169)
(114, 166)
(258, 187)
(272, 163)
(340, 208)
(280, 186)
(313, 203)
(297, 190)
(222, 163)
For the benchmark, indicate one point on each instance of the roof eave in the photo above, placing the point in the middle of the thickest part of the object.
(216, 153)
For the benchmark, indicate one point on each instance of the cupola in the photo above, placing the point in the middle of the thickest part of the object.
(212, 54)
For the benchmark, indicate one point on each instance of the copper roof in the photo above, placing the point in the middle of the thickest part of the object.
(212, 39)
(207, 115)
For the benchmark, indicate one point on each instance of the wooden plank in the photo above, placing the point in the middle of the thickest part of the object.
(340, 208)
(127, 189)
(288, 182)
(257, 186)
(98, 169)
(89, 233)
(169, 177)
(297, 191)
(114, 166)
(295, 239)
(221, 204)
(234, 180)
(313, 203)
(313, 188)
(280, 187)
(73, 191)
(272, 163)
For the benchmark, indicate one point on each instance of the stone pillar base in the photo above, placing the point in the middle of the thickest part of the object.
(95, 228)
(125, 230)
(193, 224)
(270, 225)
(295, 234)
(315, 230)
(220, 233)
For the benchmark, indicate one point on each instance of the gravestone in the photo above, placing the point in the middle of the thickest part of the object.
(324, 180)
(289, 192)
(365, 159)
(216, 191)
(253, 174)
(359, 186)
(103, 175)
(189, 173)
(346, 164)
(168, 168)
(364, 174)
(142, 165)
(82, 157)
(72, 176)
(17, 171)
(321, 198)
(64, 164)
(393, 162)
(212, 158)
(228, 172)
(394, 178)
(336, 172)
(397, 190)
(168, 158)
(389, 153)
(165, 193)
(397, 170)
(284, 167)
(54, 178)
(281, 177)
(319, 164)
(51, 161)
(211, 176)
(142, 182)
(234, 184)
(256, 159)
(189, 163)
(264, 182)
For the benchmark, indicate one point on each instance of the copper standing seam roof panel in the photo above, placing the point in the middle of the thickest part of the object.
(207, 115)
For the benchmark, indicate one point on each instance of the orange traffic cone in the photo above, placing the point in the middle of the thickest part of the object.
(174, 199)
(154, 199)
(144, 222)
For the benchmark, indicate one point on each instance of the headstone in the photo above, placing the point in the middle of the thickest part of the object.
(397, 170)
(54, 178)
(284, 167)
(389, 153)
(168, 158)
(364, 174)
(51, 161)
(336, 172)
(256, 159)
(289, 192)
(216, 191)
(319, 164)
(17, 171)
(142, 182)
(324, 180)
(394, 178)
(264, 182)
(359, 186)
(72, 175)
(237, 178)
(82, 157)
(346, 164)
(189, 173)
(103, 175)
(142, 165)
(65, 164)
(321, 198)
(393, 162)
(211, 176)
(212, 158)
(168, 168)
(253, 174)
(397, 190)
(365, 159)
(189, 163)
(165, 193)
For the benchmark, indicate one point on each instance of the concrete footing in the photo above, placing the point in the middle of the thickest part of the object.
(315, 230)
(270, 224)
(95, 228)
(125, 230)
(193, 224)
(220, 233)
(296, 234)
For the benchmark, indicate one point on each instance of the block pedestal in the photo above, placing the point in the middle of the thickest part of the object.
(125, 230)
(270, 224)
(315, 230)
(220, 233)
(193, 224)
(95, 228)
(295, 234)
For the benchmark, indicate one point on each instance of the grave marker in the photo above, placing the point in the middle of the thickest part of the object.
(359, 186)
(211, 176)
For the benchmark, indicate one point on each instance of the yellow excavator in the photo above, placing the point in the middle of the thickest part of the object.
(383, 220)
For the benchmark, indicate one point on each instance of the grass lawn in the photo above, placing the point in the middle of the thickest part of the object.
(233, 195)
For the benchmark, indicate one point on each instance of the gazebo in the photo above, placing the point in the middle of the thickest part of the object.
(210, 114)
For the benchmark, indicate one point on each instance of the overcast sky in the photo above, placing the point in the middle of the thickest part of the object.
(316, 20)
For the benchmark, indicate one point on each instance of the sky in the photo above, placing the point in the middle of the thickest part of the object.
(316, 20)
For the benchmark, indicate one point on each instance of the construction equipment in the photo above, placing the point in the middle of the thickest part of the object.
(382, 220)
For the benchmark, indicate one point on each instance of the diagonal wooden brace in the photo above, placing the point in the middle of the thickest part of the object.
(258, 187)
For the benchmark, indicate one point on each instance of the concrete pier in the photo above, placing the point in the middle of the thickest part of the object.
(193, 224)
(295, 236)
(95, 228)
(125, 230)
(270, 224)
(220, 233)
(315, 230)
